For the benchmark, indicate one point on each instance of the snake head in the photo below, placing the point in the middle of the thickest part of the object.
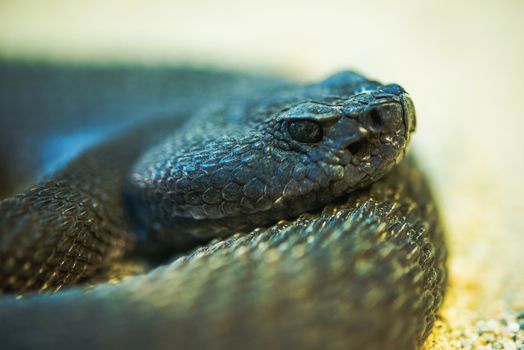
(348, 133)
(250, 163)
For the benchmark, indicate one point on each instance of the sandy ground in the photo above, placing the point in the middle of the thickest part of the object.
(462, 61)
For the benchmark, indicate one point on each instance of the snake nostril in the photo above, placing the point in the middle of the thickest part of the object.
(376, 119)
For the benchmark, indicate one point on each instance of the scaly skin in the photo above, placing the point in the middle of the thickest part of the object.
(366, 272)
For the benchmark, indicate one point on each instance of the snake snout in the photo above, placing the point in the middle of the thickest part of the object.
(409, 114)
(408, 109)
(383, 119)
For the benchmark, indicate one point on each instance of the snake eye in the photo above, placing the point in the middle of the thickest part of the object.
(306, 131)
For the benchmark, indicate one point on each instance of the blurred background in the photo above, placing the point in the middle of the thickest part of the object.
(462, 61)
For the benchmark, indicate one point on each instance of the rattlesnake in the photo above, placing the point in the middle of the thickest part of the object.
(287, 211)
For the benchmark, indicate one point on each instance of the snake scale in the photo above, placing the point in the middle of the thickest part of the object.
(288, 213)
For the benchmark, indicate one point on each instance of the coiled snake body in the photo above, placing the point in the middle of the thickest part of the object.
(336, 237)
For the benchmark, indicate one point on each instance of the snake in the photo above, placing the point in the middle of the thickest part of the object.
(263, 212)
